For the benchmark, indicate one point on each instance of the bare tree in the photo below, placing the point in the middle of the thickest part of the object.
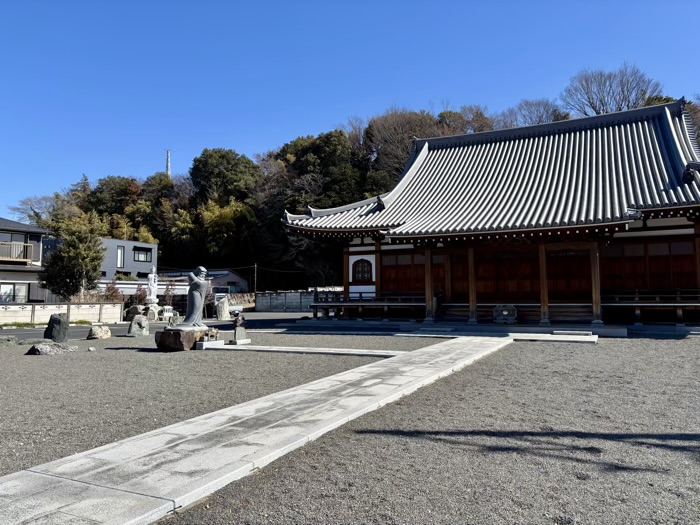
(34, 209)
(529, 113)
(355, 130)
(389, 137)
(594, 92)
(477, 119)
(506, 119)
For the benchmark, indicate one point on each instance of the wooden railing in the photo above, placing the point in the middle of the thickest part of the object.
(674, 297)
(16, 251)
(642, 302)
(369, 297)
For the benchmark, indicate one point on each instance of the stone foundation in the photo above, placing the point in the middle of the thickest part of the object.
(177, 341)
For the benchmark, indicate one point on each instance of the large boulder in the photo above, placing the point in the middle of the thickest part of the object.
(179, 340)
(222, 312)
(51, 349)
(57, 330)
(99, 332)
(139, 327)
(133, 311)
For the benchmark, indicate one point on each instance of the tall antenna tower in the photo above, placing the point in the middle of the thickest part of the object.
(167, 163)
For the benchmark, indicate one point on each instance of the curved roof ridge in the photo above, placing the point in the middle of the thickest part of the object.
(408, 175)
(313, 212)
(631, 115)
(288, 217)
(581, 173)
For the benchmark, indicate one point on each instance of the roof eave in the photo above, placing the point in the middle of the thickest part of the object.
(633, 115)
(523, 232)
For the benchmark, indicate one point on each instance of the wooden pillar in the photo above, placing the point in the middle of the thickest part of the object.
(377, 267)
(429, 310)
(544, 291)
(346, 272)
(697, 251)
(472, 286)
(448, 276)
(595, 282)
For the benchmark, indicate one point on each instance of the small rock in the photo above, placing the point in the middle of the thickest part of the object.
(99, 332)
(51, 349)
(57, 330)
(174, 320)
(139, 327)
(8, 340)
(92, 349)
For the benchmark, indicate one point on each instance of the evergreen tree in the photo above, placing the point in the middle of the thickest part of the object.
(74, 268)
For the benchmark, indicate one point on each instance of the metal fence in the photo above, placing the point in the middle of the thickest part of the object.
(291, 301)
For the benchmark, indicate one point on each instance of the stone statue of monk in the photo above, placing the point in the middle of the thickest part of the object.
(195, 298)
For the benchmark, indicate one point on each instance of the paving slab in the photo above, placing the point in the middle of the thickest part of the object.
(140, 479)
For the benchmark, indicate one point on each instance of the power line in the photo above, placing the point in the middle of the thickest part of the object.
(169, 268)
(281, 271)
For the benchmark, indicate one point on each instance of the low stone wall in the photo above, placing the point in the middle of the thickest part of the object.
(291, 301)
(40, 313)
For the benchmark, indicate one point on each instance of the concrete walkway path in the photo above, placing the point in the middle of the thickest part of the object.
(143, 478)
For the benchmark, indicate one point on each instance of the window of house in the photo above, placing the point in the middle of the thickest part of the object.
(21, 292)
(362, 271)
(120, 257)
(142, 254)
(7, 293)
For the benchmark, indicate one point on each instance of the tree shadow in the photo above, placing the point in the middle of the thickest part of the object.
(135, 349)
(549, 444)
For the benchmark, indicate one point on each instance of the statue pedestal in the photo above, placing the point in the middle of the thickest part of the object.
(152, 310)
(178, 340)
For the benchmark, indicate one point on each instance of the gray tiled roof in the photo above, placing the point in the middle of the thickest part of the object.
(14, 226)
(573, 173)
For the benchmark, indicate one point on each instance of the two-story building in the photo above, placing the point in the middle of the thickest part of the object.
(129, 262)
(20, 262)
(130, 259)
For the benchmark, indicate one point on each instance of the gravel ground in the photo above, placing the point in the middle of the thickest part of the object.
(537, 433)
(54, 406)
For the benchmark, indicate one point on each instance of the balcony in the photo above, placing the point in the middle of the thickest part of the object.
(16, 252)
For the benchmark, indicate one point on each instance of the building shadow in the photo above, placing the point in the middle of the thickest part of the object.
(134, 349)
(572, 446)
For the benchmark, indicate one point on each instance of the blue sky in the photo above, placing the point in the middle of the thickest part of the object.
(104, 88)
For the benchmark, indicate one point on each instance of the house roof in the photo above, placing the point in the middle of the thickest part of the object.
(589, 171)
(14, 226)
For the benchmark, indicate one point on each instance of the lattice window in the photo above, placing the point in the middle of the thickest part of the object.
(362, 271)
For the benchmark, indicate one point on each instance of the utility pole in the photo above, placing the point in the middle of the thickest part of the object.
(255, 278)
(167, 163)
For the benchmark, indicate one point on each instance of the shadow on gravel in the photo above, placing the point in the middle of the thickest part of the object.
(546, 444)
(133, 349)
